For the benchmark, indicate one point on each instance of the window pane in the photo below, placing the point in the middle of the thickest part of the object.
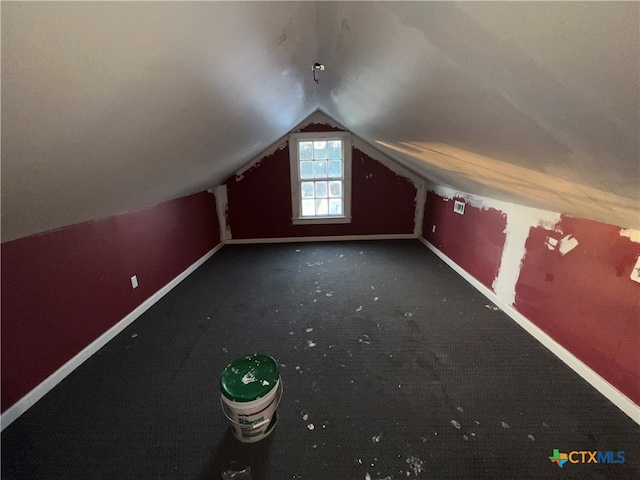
(321, 189)
(335, 206)
(335, 149)
(335, 168)
(320, 169)
(320, 150)
(307, 190)
(306, 170)
(308, 209)
(335, 189)
(322, 206)
(306, 150)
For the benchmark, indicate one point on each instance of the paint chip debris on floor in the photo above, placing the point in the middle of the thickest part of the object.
(365, 389)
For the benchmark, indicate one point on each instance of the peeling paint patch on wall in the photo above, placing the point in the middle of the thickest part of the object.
(519, 220)
(573, 278)
(586, 299)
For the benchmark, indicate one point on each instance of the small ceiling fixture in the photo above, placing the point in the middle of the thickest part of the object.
(315, 68)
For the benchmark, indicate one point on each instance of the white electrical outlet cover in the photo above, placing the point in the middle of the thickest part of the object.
(134, 281)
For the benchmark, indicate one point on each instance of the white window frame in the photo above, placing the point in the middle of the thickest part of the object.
(296, 205)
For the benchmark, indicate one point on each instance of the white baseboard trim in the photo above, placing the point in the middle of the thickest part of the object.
(26, 402)
(616, 397)
(337, 238)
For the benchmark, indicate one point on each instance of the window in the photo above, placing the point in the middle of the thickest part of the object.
(320, 177)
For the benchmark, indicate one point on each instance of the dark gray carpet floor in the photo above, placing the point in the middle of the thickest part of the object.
(408, 375)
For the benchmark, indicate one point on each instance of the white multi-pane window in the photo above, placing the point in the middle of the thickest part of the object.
(321, 177)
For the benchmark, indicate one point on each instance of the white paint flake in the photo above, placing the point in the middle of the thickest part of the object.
(264, 383)
(309, 330)
(531, 437)
(376, 438)
(567, 244)
(375, 299)
(305, 417)
(492, 307)
(455, 423)
(408, 314)
(504, 425)
(416, 465)
(551, 243)
(311, 343)
(359, 308)
(310, 426)
(249, 378)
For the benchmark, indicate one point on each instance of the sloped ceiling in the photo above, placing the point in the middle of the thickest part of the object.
(110, 106)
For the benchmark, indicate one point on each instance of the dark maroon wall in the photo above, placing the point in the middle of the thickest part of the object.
(585, 299)
(473, 240)
(260, 201)
(63, 289)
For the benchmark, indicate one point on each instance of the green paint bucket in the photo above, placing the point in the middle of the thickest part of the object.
(251, 390)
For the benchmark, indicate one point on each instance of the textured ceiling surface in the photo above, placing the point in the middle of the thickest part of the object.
(110, 106)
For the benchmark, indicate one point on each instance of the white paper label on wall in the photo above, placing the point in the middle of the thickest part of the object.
(635, 273)
(458, 207)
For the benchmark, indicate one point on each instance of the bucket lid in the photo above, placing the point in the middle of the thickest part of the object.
(249, 378)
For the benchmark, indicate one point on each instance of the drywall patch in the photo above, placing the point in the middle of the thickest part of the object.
(631, 234)
(520, 220)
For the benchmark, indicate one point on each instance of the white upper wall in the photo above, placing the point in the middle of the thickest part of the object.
(110, 106)
(534, 103)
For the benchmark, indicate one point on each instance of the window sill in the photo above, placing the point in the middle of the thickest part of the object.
(320, 220)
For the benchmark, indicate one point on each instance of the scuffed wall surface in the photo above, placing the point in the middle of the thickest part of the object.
(567, 275)
(474, 240)
(63, 289)
(260, 200)
(583, 296)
